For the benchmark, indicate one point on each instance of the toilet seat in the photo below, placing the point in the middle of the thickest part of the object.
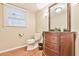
(33, 43)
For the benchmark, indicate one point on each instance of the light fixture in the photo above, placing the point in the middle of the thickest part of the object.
(46, 14)
(58, 9)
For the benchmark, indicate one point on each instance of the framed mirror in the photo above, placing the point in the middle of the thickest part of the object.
(60, 17)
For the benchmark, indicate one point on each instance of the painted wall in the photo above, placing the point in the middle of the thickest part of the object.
(75, 25)
(42, 20)
(9, 35)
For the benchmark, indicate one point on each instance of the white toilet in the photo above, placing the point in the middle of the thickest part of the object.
(33, 43)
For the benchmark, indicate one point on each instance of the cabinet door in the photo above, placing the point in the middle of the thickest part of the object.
(49, 52)
(51, 44)
(67, 44)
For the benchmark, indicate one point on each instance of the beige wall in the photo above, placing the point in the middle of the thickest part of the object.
(9, 35)
(41, 21)
(75, 25)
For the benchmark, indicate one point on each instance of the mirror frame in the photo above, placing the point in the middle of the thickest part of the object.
(68, 16)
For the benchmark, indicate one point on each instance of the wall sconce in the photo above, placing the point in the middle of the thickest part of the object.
(45, 14)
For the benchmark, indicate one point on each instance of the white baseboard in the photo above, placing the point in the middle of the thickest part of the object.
(12, 49)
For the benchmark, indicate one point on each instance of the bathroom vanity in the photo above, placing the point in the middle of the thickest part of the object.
(59, 43)
(59, 40)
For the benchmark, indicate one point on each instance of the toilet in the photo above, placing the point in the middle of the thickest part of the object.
(33, 43)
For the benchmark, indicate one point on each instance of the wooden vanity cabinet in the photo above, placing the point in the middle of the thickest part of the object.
(59, 43)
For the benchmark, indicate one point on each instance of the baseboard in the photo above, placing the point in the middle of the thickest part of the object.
(12, 49)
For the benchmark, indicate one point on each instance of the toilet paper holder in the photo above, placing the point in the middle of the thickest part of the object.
(21, 35)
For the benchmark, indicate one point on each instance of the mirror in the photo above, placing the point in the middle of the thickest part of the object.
(59, 17)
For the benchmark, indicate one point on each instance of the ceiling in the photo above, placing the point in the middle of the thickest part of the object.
(32, 6)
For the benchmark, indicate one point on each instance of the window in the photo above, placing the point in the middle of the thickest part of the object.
(14, 16)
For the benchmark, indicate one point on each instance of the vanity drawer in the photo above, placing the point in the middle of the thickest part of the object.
(52, 46)
(49, 52)
(49, 36)
(52, 43)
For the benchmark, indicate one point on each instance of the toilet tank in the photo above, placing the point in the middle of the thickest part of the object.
(37, 36)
